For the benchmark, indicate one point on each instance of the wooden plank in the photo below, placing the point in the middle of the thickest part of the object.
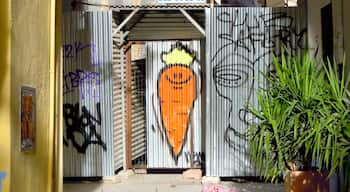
(128, 131)
(159, 25)
(163, 20)
(167, 35)
(170, 29)
(173, 15)
(212, 3)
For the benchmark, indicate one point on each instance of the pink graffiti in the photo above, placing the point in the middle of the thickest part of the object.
(218, 188)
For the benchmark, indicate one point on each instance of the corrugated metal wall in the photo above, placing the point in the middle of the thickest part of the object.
(87, 65)
(239, 45)
(159, 153)
(119, 99)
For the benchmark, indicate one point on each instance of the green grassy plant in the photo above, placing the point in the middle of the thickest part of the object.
(303, 118)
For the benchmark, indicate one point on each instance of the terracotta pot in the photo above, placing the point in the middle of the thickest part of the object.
(310, 181)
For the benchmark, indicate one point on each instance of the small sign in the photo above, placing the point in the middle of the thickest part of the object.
(27, 118)
(183, 1)
(138, 52)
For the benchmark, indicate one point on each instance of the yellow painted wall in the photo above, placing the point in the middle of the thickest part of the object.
(5, 127)
(58, 145)
(32, 63)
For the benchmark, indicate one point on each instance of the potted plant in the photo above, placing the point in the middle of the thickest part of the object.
(303, 124)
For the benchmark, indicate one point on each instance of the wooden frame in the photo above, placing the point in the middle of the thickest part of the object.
(128, 131)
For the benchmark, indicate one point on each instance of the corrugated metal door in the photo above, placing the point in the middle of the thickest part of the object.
(87, 110)
(119, 99)
(239, 45)
(173, 89)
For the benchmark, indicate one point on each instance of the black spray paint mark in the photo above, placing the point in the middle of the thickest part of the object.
(196, 158)
(268, 31)
(83, 125)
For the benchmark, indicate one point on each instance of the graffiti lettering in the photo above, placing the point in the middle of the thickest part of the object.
(2, 177)
(81, 129)
(249, 40)
(75, 49)
(270, 31)
(86, 82)
(197, 158)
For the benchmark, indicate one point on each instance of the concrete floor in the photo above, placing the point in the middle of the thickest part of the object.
(166, 183)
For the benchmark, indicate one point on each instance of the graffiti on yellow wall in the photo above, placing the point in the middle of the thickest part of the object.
(177, 92)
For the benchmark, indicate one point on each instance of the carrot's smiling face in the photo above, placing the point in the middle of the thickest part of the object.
(178, 76)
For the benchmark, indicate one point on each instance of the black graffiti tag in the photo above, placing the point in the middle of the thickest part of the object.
(83, 125)
(266, 30)
(197, 158)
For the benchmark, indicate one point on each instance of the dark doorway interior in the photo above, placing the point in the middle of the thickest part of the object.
(137, 96)
(239, 3)
(327, 32)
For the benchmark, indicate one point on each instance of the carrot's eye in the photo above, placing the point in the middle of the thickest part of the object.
(177, 75)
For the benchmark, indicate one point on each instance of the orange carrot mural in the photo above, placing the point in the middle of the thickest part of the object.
(177, 92)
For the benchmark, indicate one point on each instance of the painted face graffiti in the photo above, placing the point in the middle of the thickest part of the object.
(247, 41)
(177, 93)
(232, 79)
